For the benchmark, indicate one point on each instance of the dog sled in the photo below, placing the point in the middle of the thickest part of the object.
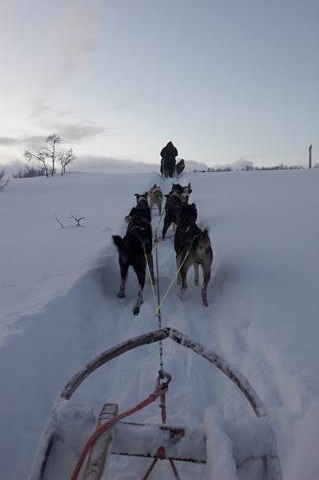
(58, 457)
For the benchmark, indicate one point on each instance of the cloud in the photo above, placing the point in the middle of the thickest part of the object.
(71, 132)
(79, 31)
(75, 35)
(9, 141)
(32, 141)
(40, 107)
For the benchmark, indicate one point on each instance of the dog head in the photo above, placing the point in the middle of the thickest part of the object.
(141, 200)
(155, 191)
(182, 192)
(177, 188)
(188, 188)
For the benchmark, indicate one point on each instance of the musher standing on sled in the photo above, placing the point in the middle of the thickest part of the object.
(168, 160)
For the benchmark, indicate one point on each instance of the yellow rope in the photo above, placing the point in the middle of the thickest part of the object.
(158, 306)
(150, 277)
(173, 281)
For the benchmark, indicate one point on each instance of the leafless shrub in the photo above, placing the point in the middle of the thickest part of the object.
(59, 221)
(77, 219)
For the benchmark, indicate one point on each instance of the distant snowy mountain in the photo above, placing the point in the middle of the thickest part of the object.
(191, 165)
(115, 165)
(240, 164)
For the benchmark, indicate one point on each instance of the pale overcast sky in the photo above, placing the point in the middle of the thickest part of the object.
(222, 79)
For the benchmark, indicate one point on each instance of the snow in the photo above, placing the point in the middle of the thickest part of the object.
(59, 310)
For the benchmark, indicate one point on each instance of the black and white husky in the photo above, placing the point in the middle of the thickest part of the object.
(177, 197)
(142, 203)
(193, 247)
(135, 250)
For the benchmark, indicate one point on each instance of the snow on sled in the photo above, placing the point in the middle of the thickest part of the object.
(58, 454)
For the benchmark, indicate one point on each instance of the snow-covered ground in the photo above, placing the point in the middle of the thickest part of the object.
(58, 309)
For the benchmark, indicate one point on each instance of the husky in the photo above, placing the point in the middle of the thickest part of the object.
(142, 203)
(155, 197)
(177, 197)
(183, 192)
(180, 166)
(192, 247)
(135, 250)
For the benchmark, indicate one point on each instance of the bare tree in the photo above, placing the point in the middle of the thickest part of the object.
(3, 181)
(51, 151)
(49, 155)
(65, 159)
(40, 158)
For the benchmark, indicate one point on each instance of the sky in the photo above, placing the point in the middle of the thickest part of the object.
(59, 309)
(118, 79)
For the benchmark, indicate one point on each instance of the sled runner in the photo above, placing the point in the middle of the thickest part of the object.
(58, 458)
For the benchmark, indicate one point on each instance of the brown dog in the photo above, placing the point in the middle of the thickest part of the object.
(155, 197)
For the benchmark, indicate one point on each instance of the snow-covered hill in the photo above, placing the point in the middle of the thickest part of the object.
(58, 308)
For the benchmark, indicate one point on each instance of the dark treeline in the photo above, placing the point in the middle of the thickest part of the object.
(28, 172)
(249, 168)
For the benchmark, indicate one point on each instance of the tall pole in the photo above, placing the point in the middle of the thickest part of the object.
(310, 152)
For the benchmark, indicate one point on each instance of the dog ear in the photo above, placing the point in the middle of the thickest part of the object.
(136, 195)
(205, 233)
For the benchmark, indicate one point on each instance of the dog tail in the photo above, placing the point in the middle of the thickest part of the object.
(118, 241)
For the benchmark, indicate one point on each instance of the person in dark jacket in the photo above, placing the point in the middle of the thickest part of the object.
(168, 160)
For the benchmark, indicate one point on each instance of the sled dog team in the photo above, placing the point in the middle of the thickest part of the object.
(192, 244)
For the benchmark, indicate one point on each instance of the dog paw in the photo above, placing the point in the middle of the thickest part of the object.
(136, 310)
(204, 298)
(181, 293)
(121, 295)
